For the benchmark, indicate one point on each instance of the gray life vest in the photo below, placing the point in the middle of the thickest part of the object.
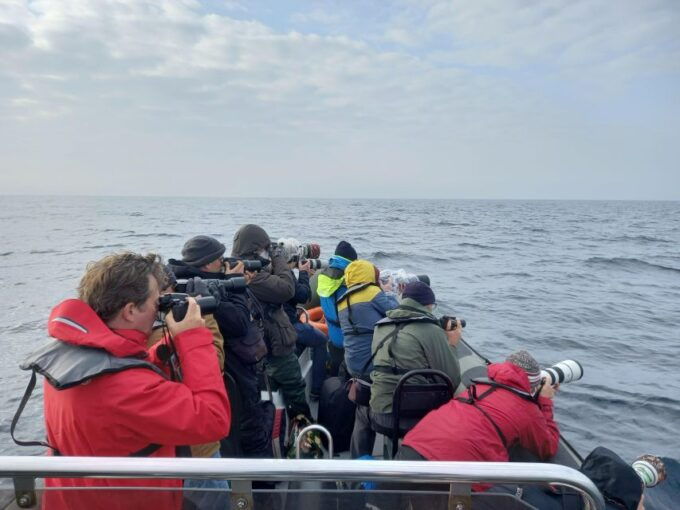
(65, 366)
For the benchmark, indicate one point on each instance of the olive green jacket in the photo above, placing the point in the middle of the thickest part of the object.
(417, 345)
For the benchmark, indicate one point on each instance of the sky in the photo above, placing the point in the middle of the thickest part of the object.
(526, 99)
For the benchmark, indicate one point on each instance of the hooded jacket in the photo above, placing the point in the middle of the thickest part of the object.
(118, 413)
(331, 285)
(272, 286)
(458, 431)
(417, 345)
(359, 308)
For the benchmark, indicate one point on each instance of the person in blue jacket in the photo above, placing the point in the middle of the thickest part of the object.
(330, 285)
(362, 305)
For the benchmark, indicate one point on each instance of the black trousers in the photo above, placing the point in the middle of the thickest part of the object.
(255, 427)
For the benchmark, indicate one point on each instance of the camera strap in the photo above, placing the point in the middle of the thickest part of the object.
(143, 452)
(473, 399)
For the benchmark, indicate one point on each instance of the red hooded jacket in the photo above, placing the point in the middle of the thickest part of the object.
(458, 431)
(115, 414)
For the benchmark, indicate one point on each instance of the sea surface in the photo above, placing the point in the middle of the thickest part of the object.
(598, 282)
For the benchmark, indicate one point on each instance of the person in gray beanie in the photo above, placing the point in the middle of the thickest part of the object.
(200, 251)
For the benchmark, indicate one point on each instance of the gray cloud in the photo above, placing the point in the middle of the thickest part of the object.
(499, 98)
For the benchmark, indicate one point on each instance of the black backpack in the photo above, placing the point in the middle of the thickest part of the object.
(336, 412)
(251, 347)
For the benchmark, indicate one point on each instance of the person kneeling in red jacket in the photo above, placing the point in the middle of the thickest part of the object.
(489, 418)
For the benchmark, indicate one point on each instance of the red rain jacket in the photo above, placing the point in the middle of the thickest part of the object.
(458, 431)
(113, 415)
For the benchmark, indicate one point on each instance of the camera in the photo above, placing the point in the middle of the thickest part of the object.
(309, 251)
(248, 265)
(563, 372)
(177, 304)
(294, 251)
(315, 263)
(444, 320)
(237, 284)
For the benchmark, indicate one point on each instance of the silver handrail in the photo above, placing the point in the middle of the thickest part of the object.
(309, 428)
(302, 470)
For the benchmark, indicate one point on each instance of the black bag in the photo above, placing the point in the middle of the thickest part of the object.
(251, 347)
(336, 412)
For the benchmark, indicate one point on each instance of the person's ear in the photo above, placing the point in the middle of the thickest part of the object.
(128, 312)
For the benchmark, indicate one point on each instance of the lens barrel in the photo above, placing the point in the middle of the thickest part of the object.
(316, 264)
(563, 372)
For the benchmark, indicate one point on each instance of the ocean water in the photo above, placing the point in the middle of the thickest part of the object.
(598, 282)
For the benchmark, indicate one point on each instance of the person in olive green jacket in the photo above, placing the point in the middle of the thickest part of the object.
(420, 343)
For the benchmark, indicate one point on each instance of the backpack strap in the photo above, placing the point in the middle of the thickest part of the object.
(473, 399)
(389, 336)
(17, 415)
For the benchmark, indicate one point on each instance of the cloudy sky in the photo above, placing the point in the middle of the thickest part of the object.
(346, 98)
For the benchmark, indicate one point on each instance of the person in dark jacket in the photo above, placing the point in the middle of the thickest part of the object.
(202, 256)
(361, 306)
(273, 286)
(621, 484)
(329, 286)
(307, 335)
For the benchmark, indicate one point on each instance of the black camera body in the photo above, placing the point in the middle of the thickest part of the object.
(444, 321)
(177, 303)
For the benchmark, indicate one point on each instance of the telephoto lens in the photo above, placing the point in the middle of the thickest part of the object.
(252, 265)
(310, 251)
(650, 469)
(232, 283)
(316, 264)
(563, 372)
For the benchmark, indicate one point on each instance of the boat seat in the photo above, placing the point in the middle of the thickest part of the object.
(411, 402)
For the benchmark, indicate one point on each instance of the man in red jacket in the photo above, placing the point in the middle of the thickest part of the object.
(488, 419)
(136, 410)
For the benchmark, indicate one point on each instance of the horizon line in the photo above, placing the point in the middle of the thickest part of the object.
(336, 198)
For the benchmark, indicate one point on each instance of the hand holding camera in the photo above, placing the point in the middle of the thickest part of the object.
(304, 265)
(549, 391)
(191, 320)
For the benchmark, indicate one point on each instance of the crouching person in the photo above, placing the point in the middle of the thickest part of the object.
(106, 395)
(511, 408)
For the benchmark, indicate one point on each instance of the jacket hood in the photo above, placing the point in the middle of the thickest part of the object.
(338, 262)
(75, 323)
(510, 375)
(248, 240)
(359, 271)
(402, 313)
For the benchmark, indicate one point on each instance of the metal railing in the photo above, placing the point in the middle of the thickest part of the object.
(460, 474)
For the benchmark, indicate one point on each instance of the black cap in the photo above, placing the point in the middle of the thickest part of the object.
(201, 250)
(345, 250)
(419, 291)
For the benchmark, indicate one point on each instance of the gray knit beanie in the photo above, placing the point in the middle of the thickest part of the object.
(526, 362)
(201, 250)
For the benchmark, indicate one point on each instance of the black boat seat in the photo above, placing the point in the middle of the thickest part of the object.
(411, 402)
